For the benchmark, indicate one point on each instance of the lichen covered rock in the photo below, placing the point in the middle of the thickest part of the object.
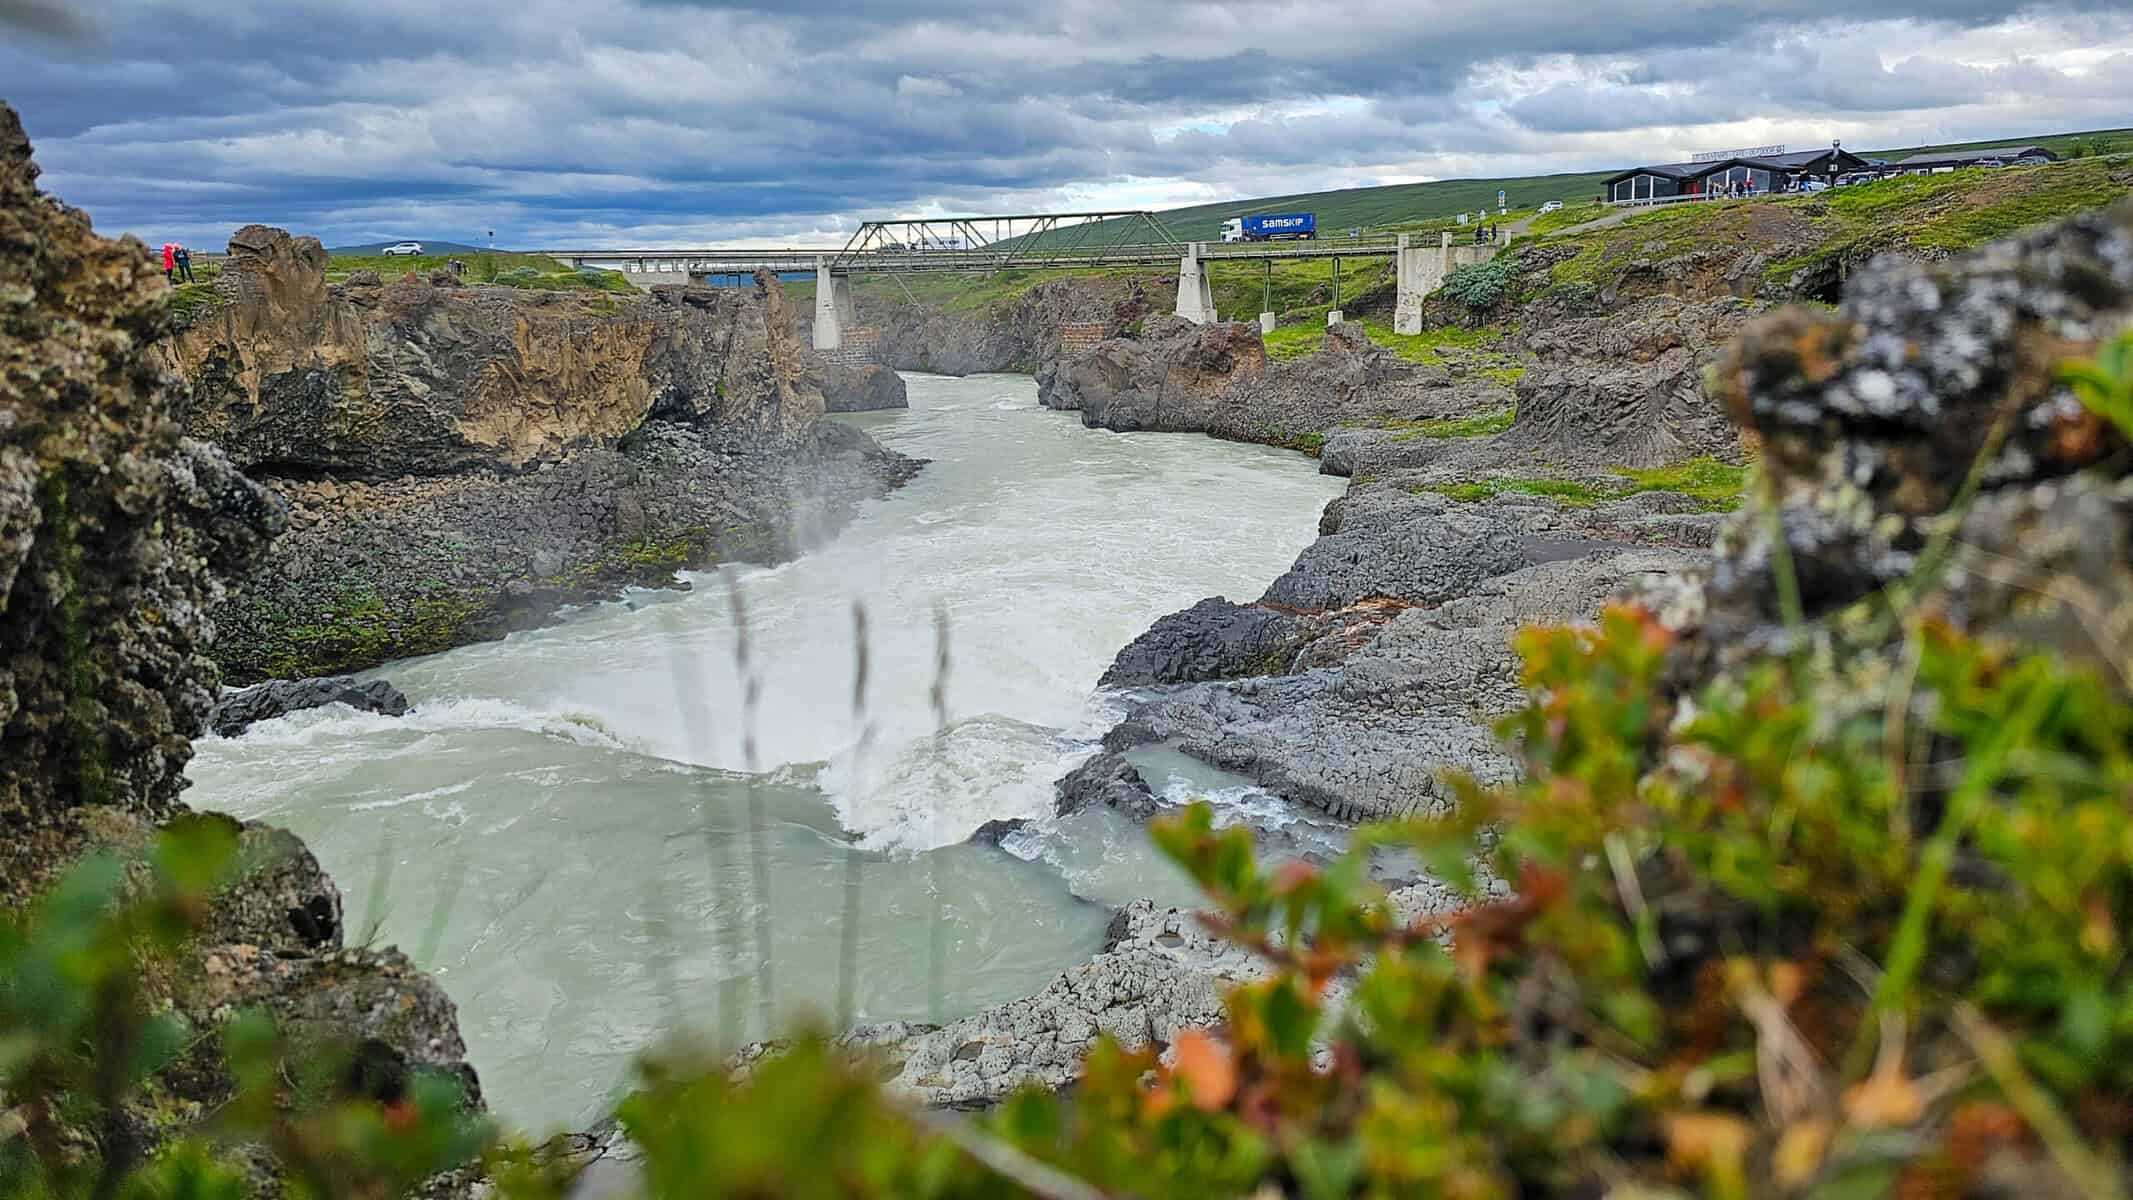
(115, 534)
(117, 537)
(1931, 379)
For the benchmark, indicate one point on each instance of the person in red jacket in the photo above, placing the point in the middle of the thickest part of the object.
(170, 262)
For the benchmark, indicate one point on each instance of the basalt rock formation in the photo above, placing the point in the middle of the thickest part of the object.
(246, 707)
(1388, 656)
(117, 535)
(1873, 420)
(292, 376)
(1171, 378)
(1216, 379)
(1627, 389)
(863, 389)
(463, 460)
(1019, 334)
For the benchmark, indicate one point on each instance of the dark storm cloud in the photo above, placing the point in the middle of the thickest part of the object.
(708, 119)
(42, 19)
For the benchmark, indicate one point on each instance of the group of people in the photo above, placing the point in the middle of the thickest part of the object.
(1730, 189)
(177, 263)
(1484, 234)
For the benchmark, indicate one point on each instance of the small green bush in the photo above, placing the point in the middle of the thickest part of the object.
(1577, 295)
(1480, 287)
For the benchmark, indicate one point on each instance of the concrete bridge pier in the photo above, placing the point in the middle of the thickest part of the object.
(1196, 298)
(833, 306)
(1421, 270)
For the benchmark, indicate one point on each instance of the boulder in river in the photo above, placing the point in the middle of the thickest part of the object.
(241, 709)
(1213, 639)
(1110, 781)
(870, 388)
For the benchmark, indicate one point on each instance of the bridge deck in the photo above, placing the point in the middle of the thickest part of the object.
(719, 261)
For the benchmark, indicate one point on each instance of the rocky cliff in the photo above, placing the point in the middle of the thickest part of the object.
(117, 535)
(1217, 379)
(292, 376)
(461, 461)
(1020, 332)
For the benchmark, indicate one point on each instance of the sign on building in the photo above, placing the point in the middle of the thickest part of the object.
(1743, 152)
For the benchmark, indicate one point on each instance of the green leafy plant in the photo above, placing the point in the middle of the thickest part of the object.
(1480, 287)
(2105, 384)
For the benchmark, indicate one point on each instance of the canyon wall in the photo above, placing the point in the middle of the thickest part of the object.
(117, 536)
(462, 460)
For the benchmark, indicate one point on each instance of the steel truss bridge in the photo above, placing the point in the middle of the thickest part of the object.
(985, 244)
(1030, 241)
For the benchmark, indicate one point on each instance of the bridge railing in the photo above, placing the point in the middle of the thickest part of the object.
(704, 261)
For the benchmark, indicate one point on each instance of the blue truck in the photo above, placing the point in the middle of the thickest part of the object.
(1274, 227)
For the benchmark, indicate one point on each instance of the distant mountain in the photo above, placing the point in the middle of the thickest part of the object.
(428, 247)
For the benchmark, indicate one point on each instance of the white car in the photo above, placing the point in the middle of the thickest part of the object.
(403, 248)
(1552, 206)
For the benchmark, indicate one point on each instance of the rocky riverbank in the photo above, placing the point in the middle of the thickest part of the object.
(1019, 332)
(462, 461)
(1370, 675)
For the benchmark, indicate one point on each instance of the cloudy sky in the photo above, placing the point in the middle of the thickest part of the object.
(641, 121)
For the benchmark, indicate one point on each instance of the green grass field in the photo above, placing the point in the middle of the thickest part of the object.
(505, 270)
(1715, 486)
(1957, 210)
(1426, 207)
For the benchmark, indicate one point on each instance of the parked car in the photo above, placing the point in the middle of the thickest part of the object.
(403, 248)
(1990, 162)
(1552, 206)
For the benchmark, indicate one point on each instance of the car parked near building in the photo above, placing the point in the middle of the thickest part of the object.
(403, 248)
(1552, 206)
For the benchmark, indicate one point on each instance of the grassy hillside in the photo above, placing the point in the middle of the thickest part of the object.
(2092, 142)
(434, 247)
(1425, 207)
(1953, 211)
(505, 270)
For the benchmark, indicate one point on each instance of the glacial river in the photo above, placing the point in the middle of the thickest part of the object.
(583, 835)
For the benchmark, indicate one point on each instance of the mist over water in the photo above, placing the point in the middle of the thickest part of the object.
(561, 830)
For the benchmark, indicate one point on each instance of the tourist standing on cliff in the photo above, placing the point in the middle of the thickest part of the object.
(184, 260)
(170, 262)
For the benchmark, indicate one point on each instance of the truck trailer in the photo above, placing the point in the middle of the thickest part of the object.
(1274, 227)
